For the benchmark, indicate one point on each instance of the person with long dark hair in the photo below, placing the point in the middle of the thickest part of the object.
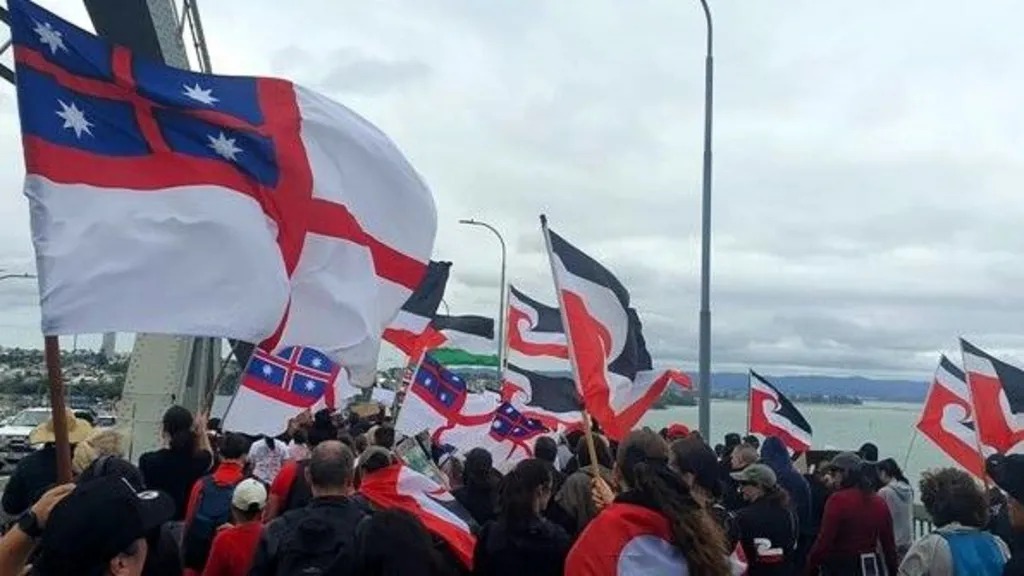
(521, 540)
(855, 521)
(479, 491)
(654, 526)
(185, 458)
(899, 497)
(575, 506)
(698, 465)
(767, 527)
(387, 531)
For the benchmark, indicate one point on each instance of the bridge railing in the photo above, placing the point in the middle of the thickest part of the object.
(922, 521)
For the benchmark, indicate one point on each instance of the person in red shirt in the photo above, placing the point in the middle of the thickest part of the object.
(209, 506)
(234, 547)
(855, 521)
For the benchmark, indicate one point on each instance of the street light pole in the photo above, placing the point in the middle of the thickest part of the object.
(501, 299)
(704, 355)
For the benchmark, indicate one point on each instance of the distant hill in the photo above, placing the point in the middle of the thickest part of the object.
(864, 388)
(727, 384)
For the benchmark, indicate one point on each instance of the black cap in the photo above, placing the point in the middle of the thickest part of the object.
(1008, 473)
(97, 521)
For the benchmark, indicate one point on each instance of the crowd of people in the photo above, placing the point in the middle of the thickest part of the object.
(657, 503)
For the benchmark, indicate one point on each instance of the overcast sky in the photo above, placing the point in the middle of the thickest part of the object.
(869, 159)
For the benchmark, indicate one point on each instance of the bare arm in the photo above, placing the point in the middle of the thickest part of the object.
(16, 546)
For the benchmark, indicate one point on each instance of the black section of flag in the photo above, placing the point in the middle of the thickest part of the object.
(947, 365)
(477, 325)
(555, 394)
(427, 297)
(549, 319)
(786, 408)
(1010, 377)
(577, 263)
(634, 356)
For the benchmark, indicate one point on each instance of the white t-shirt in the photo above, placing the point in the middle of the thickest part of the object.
(267, 461)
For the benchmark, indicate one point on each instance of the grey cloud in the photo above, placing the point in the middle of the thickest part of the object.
(866, 208)
(352, 72)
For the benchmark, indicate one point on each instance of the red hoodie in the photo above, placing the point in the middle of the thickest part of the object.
(854, 522)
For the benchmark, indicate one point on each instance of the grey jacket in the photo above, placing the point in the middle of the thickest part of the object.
(930, 556)
(899, 497)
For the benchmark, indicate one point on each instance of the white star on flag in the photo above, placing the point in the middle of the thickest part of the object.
(317, 362)
(267, 370)
(224, 146)
(310, 385)
(50, 37)
(74, 119)
(199, 94)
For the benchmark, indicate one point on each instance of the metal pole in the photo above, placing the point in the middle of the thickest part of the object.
(704, 358)
(501, 299)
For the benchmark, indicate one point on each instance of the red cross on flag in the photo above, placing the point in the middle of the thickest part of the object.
(168, 201)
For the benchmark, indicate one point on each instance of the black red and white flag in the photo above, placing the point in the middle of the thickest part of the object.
(947, 418)
(538, 375)
(413, 320)
(770, 413)
(401, 487)
(614, 369)
(997, 394)
(535, 333)
(551, 398)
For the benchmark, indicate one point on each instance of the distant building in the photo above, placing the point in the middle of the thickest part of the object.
(109, 343)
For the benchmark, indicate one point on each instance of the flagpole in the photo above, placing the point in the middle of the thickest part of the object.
(906, 457)
(58, 411)
(704, 356)
(750, 397)
(588, 429)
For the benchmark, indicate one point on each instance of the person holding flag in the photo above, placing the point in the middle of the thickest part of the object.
(655, 526)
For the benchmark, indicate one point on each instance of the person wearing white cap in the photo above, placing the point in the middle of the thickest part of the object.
(234, 547)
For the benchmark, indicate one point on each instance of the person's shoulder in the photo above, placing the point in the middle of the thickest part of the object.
(554, 531)
(153, 459)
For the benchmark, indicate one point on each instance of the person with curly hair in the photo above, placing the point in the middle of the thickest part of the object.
(959, 545)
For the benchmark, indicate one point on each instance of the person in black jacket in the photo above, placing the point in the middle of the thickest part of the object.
(479, 491)
(322, 534)
(521, 541)
(767, 528)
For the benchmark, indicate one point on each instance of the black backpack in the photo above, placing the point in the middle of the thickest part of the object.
(319, 542)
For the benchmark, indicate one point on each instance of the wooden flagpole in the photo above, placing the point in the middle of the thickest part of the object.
(588, 429)
(58, 411)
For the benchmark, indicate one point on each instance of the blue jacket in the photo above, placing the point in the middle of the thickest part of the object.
(776, 456)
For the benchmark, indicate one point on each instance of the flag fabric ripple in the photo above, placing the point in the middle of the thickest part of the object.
(168, 201)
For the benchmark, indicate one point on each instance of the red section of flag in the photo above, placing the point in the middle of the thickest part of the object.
(946, 421)
(760, 423)
(398, 486)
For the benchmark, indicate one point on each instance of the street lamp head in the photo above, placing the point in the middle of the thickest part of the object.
(467, 221)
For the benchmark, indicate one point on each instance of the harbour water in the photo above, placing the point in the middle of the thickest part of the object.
(890, 426)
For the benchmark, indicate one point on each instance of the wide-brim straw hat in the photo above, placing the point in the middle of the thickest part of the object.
(78, 431)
